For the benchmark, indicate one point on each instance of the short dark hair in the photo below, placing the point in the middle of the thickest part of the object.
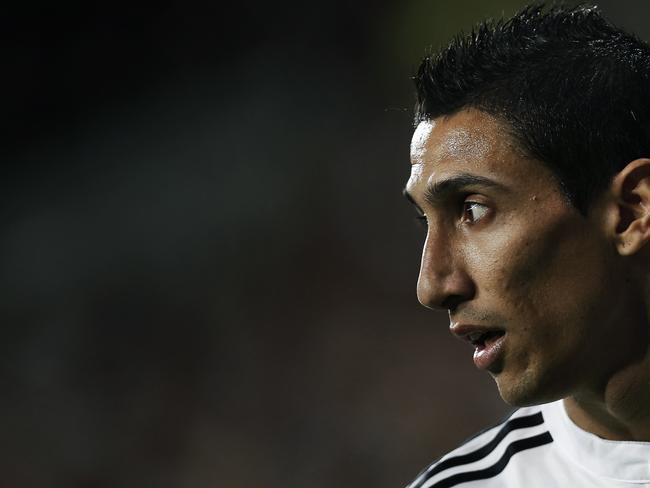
(572, 88)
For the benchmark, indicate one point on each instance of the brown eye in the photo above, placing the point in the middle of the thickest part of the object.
(473, 211)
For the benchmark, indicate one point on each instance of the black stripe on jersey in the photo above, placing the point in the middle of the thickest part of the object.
(509, 426)
(495, 469)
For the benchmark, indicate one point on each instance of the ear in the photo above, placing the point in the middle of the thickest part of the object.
(631, 191)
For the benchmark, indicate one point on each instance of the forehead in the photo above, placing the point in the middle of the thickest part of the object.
(457, 137)
(469, 134)
(469, 141)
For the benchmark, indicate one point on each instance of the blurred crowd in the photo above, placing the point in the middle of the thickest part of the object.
(207, 266)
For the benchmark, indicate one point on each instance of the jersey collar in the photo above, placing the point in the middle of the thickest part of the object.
(617, 460)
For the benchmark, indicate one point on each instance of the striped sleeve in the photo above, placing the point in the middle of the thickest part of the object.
(487, 454)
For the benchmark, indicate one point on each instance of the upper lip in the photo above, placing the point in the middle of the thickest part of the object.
(471, 333)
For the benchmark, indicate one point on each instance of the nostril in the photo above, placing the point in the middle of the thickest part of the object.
(445, 286)
(451, 302)
(442, 297)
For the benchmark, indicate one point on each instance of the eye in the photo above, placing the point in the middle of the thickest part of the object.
(473, 211)
(421, 219)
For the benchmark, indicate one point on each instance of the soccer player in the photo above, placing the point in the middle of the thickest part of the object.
(530, 171)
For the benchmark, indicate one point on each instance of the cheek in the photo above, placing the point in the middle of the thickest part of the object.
(504, 265)
(551, 276)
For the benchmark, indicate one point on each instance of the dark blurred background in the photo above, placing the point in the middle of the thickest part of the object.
(207, 267)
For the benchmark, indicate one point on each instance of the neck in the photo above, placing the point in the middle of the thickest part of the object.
(614, 423)
(619, 409)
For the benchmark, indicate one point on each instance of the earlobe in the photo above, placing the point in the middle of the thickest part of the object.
(631, 191)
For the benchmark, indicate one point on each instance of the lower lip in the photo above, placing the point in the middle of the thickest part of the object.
(488, 354)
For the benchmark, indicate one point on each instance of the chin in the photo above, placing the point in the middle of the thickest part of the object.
(524, 390)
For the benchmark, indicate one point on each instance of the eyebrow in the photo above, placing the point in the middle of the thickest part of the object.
(439, 191)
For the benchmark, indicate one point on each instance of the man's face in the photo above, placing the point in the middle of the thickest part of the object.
(526, 278)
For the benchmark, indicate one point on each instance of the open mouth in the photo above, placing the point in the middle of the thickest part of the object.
(481, 340)
(489, 344)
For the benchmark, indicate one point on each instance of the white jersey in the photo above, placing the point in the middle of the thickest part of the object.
(540, 447)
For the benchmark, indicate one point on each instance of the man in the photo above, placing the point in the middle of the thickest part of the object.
(529, 166)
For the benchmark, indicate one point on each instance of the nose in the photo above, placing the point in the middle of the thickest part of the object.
(444, 281)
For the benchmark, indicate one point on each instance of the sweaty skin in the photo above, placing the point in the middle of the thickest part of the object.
(515, 255)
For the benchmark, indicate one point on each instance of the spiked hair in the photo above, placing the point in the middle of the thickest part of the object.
(573, 90)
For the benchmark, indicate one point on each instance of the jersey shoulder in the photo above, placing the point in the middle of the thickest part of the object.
(486, 455)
